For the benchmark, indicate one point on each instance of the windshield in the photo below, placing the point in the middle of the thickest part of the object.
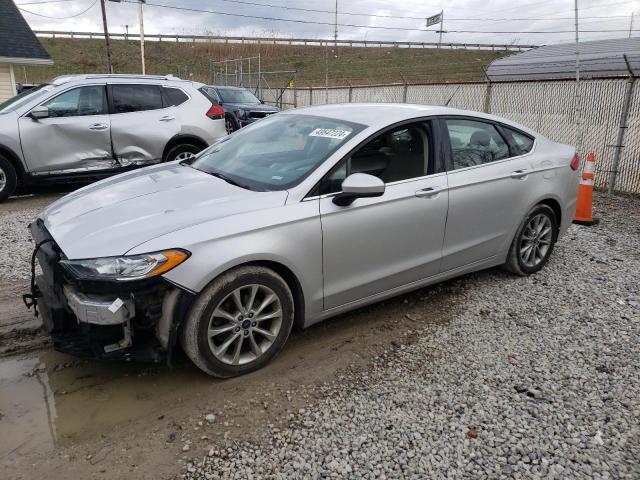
(232, 95)
(277, 152)
(24, 97)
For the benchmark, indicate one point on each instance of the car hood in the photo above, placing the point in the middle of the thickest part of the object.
(254, 107)
(111, 217)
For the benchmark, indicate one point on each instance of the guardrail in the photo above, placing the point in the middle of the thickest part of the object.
(282, 41)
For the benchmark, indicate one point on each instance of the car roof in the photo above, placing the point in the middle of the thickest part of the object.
(379, 115)
(124, 78)
(228, 87)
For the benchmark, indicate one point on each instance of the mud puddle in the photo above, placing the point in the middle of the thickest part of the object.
(49, 399)
(68, 418)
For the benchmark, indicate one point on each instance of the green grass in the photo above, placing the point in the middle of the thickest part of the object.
(355, 65)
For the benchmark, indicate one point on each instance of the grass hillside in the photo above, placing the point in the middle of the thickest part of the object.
(353, 65)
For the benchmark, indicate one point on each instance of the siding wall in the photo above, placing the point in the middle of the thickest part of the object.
(7, 88)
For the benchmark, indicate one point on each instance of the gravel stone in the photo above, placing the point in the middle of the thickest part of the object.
(546, 367)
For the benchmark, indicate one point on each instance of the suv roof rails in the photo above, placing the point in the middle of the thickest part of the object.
(130, 75)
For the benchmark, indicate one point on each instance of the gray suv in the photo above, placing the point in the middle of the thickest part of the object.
(85, 127)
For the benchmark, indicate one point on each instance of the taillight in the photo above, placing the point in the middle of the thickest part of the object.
(575, 163)
(216, 112)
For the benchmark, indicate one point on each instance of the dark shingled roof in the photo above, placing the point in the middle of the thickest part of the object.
(598, 58)
(16, 38)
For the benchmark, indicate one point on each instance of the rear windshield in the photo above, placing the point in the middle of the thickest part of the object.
(233, 95)
(25, 97)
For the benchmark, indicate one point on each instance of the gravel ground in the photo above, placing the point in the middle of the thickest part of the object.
(15, 239)
(535, 377)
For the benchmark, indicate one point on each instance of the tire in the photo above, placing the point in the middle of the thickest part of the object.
(181, 151)
(208, 351)
(527, 255)
(230, 124)
(8, 178)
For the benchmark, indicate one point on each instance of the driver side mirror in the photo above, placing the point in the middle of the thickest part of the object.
(39, 112)
(358, 185)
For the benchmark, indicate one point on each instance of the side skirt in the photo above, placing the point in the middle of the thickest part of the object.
(378, 297)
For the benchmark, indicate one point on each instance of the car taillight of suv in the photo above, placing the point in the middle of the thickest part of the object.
(215, 112)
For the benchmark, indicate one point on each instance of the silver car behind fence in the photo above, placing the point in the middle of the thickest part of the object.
(301, 216)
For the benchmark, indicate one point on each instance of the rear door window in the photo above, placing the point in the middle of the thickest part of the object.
(175, 96)
(136, 98)
(520, 143)
(475, 143)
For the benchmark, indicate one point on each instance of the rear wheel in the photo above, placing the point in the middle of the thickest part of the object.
(181, 151)
(8, 178)
(239, 322)
(534, 241)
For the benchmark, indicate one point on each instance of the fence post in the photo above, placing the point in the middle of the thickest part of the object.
(613, 175)
(311, 95)
(487, 96)
(404, 89)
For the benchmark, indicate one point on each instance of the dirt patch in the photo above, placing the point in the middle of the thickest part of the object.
(66, 418)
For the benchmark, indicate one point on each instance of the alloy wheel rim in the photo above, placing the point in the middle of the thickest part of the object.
(245, 324)
(3, 179)
(229, 126)
(185, 156)
(536, 240)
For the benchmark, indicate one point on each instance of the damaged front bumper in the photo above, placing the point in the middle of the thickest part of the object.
(135, 320)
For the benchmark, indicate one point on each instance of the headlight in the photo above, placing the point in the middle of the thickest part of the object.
(241, 113)
(130, 267)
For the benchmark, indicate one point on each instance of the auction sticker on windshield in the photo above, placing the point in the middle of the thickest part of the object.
(329, 133)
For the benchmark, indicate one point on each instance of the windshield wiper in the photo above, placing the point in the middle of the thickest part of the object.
(227, 179)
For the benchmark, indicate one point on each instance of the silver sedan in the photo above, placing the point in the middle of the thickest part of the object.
(297, 218)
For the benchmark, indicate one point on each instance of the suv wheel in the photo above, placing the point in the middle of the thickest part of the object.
(230, 125)
(182, 151)
(534, 241)
(239, 322)
(8, 178)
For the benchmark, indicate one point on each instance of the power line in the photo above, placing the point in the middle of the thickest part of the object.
(402, 17)
(60, 18)
(43, 2)
(290, 20)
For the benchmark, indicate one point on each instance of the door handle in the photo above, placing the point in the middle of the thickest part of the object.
(98, 126)
(428, 192)
(519, 174)
(167, 118)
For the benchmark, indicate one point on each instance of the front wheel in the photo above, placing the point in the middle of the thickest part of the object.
(239, 322)
(8, 179)
(534, 241)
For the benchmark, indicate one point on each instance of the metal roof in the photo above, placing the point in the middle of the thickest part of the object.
(599, 58)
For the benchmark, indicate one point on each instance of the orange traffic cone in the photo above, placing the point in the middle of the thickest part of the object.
(584, 214)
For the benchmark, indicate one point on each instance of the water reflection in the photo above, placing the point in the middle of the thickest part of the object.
(50, 398)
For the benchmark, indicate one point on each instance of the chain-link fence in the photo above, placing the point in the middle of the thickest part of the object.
(547, 107)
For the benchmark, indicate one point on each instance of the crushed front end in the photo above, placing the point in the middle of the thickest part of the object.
(110, 320)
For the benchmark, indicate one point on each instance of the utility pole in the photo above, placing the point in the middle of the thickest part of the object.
(335, 32)
(144, 70)
(441, 28)
(106, 36)
(126, 34)
(631, 25)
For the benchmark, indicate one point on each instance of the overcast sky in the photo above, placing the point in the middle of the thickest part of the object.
(523, 17)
